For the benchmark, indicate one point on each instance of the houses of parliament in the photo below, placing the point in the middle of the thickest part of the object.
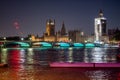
(51, 35)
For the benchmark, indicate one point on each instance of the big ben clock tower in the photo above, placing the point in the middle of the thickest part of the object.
(50, 27)
(100, 26)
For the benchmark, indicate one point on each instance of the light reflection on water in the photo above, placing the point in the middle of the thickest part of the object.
(100, 55)
(32, 64)
(102, 75)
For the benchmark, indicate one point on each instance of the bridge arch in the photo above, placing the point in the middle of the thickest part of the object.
(78, 45)
(16, 44)
(61, 44)
(89, 45)
(41, 44)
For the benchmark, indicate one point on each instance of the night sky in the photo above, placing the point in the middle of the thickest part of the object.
(23, 17)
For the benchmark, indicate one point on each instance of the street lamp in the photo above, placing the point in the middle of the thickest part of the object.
(22, 39)
(4, 38)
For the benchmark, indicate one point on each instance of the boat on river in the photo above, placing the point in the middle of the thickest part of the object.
(84, 65)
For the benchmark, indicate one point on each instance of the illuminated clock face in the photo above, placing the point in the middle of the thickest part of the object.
(103, 21)
(52, 23)
(47, 22)
(98, 21)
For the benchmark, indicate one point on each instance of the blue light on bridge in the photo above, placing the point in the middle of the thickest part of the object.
(63, 44)
(78, 45)
(17, 44)
(89, 45)
(42, 44)
(23, 44)
(45, 44)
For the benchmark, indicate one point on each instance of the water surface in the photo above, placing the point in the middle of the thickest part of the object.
(33, 64)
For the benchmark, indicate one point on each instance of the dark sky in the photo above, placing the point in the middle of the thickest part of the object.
(29, 16)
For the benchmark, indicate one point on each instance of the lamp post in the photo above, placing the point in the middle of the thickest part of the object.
(4, 41)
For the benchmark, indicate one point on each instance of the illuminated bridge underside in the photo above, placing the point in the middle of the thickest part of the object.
(20, 44)
(78, 45)
(42, 44)
(62, 44)
(89, 45)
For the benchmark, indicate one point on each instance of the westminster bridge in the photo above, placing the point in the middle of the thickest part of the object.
(28, 44)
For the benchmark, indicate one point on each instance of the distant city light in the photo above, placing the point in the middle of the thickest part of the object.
(22, 39)
(4, 38)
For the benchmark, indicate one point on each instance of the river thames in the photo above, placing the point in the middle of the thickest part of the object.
(33, 63)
